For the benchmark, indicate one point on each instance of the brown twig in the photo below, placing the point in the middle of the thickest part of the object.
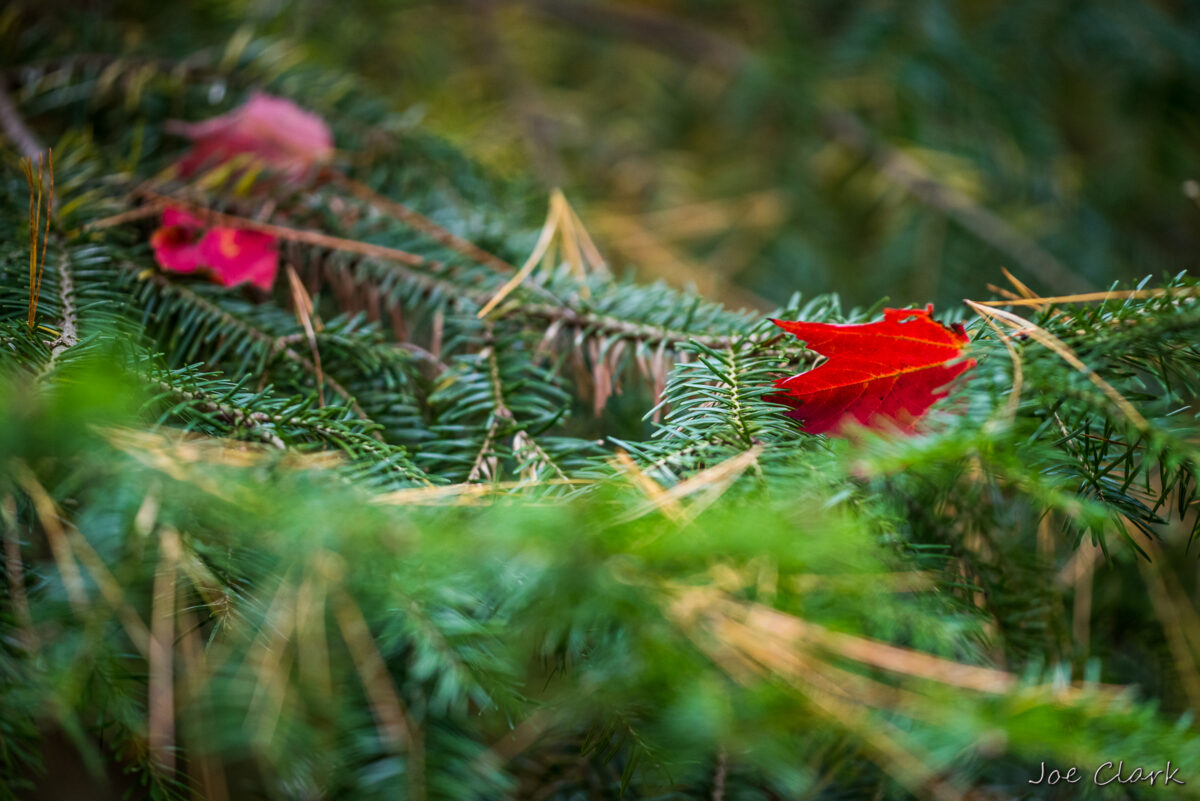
(647, 27)
(160, 665)
(394, 722)
(286, 234)
(615, 326)
(16, 575)
(132, 215)
(418, 221)
(718, 793)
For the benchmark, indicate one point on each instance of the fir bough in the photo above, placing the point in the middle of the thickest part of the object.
(440, 565)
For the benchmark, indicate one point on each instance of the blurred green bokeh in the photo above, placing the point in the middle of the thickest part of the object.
(756, 148)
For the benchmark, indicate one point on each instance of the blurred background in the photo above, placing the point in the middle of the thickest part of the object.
(750, 149)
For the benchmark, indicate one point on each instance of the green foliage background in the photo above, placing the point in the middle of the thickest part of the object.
(569, 550)
(703, 137)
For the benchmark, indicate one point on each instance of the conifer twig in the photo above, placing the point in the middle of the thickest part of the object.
(230, 414)
(419, 221)
(616, 326)
(68, 333)
(303, 236)
(275, 345)
(1059, 347)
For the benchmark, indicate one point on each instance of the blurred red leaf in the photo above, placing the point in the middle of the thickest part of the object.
(276, 132)
(177, 242)
(892, 371)
(229, 255)
(236, 257)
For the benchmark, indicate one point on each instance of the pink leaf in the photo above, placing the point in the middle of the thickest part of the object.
(176, 244)
(275, 131)
(173, 217)
(229, 255)
(236, 257)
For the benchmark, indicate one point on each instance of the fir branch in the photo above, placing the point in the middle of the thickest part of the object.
(282, 422)
(419, 222)
(234, 416)
(609, 325)
(287, 234)
(68, 323)
(68, 332)
(273, 346)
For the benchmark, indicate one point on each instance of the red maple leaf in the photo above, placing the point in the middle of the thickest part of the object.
(272, 131)
(891, 370)
(230, 256)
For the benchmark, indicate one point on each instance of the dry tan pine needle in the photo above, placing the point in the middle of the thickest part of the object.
(653, 491)
(465, 493)
(1021, 325)
(38, 195)
(710, 484)
(1014, 394)
(748, 657)
(304, 313)
(15, 571)
(60, 546)
(545, 237)
(394, 723)
(1092, 297)
(160, 670)
(1019, 285)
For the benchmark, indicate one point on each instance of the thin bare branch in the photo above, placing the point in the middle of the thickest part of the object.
(160, 671)
(649, 28)
(847, 130)
(14, 128)
(419, 222)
